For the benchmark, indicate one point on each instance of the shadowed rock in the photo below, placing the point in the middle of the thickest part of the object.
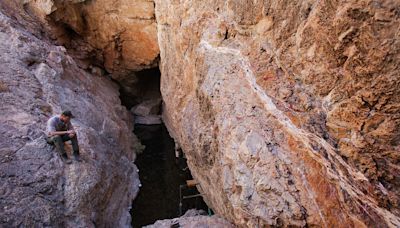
(38, 80)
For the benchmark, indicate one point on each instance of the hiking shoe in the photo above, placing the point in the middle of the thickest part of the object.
(77, 157)
(65, 159)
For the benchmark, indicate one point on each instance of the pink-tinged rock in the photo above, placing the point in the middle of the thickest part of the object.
(38, 80)
(288, 111)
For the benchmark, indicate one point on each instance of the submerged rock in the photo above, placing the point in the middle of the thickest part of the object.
(38, 80)
(288, 111)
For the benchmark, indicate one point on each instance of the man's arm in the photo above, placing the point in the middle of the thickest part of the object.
(53, 133)
(51, 129)
(71, 129)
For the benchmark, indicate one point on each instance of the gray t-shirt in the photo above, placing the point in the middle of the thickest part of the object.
(56, 124)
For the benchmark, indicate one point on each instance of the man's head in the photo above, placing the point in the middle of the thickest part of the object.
(66, 116)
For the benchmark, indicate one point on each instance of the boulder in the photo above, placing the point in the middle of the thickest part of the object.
(148, 107)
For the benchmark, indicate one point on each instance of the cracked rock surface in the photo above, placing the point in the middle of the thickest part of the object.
(192, 219)
(288, 111)
(121, 35)
(38, 80)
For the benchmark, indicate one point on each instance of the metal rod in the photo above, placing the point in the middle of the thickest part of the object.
(192, 196)
(189, 184)
(180, 200)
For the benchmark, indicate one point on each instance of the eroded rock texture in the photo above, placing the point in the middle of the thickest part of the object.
(120, 34)
(288, 111)
(192, 219)
(37, 80)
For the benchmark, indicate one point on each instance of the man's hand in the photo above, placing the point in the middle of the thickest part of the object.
(71, 133)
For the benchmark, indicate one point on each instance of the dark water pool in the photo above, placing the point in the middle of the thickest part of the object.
(161, 174)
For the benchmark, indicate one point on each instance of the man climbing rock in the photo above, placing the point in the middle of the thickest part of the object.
(60, 130)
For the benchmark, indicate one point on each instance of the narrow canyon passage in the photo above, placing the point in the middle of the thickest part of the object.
(161, 172)
(287, 112)
(141, 86)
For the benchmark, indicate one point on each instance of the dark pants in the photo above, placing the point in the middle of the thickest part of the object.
(59, 140)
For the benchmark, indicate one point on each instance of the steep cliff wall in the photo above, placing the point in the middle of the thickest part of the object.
(37, 80)
(288, 111)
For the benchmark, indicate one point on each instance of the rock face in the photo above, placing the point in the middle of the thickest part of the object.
(37, 80)
(192, 219)
(120, 34)
(288, 111)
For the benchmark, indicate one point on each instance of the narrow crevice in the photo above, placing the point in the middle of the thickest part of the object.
(140, 86)
(163, 176)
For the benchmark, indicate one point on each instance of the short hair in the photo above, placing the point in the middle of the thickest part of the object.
(67, 113)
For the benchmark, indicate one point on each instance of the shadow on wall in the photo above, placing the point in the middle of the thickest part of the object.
(140, 86)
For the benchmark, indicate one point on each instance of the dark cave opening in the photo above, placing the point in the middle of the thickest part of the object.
(140, 86)
(162, 175)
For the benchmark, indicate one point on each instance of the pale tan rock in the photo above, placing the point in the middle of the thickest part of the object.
(122, 33)
(288, 111)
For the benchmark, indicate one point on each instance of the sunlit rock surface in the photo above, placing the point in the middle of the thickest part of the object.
(37, 80)
(288, 111)
(120, 34)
